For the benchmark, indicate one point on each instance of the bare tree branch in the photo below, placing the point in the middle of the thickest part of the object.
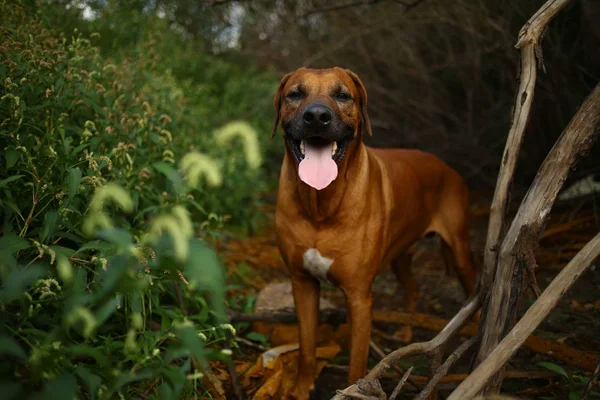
(532, 318)
(591, 383)
(530, 37)
(400, 384)
(429, 347)
(518, 247)
(336, 7)
(445, 367)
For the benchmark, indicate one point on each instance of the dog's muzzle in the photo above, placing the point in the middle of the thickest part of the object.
(318, 140)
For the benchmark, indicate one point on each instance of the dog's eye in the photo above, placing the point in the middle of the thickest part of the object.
(342, 96)
(294, 95)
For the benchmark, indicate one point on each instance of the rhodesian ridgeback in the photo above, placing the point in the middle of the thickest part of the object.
(344, 210)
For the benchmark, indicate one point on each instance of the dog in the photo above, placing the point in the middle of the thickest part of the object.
(344, 210)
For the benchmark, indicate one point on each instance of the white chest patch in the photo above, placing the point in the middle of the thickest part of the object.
(316, 264)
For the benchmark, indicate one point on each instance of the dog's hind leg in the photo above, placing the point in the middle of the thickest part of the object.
(457, 255)
(401, 266)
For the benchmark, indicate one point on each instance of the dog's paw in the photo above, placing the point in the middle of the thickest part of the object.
(404, 334)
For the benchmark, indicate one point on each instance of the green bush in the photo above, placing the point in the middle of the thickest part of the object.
(109, 173)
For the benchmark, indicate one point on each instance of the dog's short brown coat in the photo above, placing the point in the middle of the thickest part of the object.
(380, 204)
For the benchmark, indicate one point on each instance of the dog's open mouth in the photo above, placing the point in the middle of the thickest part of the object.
(337, 149)
(317, 158)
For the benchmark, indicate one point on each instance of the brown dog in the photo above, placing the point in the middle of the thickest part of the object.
(345, 210)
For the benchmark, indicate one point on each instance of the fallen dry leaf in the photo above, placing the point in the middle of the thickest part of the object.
(276, 369)
(214, 385)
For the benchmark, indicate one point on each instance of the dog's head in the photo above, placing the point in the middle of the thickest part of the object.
(321, 112)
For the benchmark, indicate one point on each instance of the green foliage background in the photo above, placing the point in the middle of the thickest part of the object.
(124, 144)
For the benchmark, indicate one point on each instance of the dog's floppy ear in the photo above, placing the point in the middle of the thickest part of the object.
(277, 102)
(364, 116)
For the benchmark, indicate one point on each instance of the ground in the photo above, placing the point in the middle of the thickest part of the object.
(574, 324)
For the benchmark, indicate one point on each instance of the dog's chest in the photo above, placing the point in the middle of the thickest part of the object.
(316, 264)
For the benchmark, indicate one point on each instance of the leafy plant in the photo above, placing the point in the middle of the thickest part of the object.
(574, 384)
(106, 190)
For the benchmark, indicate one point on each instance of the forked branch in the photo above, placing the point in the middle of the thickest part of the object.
(429, 347)
(517, 251)
(532, 318)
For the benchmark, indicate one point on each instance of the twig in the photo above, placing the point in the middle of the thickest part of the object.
(354, 395)
(251, 344)
(590, 384)
(566, 354)
(180, 299)
(337, 7)
(532, 318)
(235, 382)
(453, 326)
(398, 387)
(445, 367)
(381, 355)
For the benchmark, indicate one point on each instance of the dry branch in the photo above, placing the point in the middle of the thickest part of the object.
(400, 384)
(570, 356)
(532, 318)
(429, 347)
(444, 368)
(382, 355)
(516, 254)
(591, 383)
(529, 43)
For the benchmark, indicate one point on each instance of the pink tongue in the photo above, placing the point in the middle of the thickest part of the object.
(318, 168)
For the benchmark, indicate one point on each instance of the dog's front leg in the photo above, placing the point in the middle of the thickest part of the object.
(306, 291)
(359, 301)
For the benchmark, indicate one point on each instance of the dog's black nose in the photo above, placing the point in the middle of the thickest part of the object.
(317, 115)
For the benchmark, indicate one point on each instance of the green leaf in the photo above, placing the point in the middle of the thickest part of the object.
(17, 282)
(109, 279)
(107, 309)
(165, 392)
(256, 337)
(89, 351)
(128, 377)
(116, 236)
(91, 381)
(12, 156)
(190, 340)
(8, 180)
(554, 368)
(12, 243)
(63, 251)
(574, 396)
(170, 173)
(96, 245)
(49, 227)
(64, 387)
(205, 272)
(74, 181)
(10, 347)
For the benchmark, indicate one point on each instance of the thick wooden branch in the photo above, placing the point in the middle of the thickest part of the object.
(530, 37)
(517, 250)
(532, 318)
